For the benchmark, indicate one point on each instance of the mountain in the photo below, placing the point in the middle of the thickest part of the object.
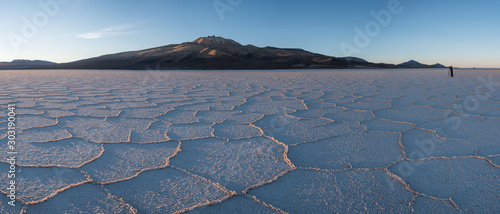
(206, 53)
(437, 65)
(25, 64)
(415, 64)
(355, 59)
(412, 63)
(212, 53)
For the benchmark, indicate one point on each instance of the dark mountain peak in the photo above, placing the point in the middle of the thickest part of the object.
(213, 41)
(413, 63)
(437, 65)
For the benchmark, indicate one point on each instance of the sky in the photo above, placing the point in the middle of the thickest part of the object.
(452, 32)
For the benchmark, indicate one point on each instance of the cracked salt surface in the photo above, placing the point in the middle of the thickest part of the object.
(303, 191)
(70, 153)
(363, 150)
(384, 141)
(85, 198)
(121, 162)
(38, 184)
(472, 183)
(235, 164)
(236, 204)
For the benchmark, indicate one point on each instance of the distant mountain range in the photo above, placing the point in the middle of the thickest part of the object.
(212, 53)
(25, 64)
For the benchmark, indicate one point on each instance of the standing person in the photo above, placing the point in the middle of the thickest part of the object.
(451, 71)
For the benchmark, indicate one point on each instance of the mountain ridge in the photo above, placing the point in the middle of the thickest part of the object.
(25, 64)
(218, 53)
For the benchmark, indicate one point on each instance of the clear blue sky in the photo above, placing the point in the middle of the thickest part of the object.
(459, 33)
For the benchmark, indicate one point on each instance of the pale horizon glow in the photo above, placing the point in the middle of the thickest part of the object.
(462, 34)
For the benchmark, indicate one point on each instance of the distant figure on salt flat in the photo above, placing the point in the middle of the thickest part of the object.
(451, 71)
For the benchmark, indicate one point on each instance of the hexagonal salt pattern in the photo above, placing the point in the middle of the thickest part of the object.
(376, 141)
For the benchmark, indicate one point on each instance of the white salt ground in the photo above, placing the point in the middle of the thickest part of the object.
(308, 141)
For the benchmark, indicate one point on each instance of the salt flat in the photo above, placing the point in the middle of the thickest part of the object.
(318, 141)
